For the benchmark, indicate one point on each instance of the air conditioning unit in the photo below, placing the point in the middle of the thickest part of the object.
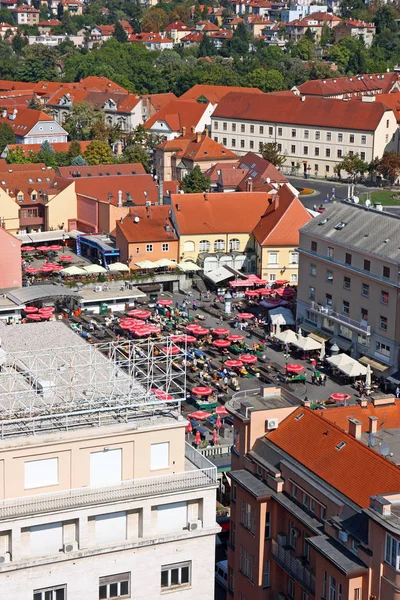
(343, 536)
(195, 525)
(271, 424)
(5, 558)
(281, 538)
(70, 547)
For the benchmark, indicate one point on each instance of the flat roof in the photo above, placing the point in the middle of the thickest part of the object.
(89, 294)
(33, 293)
(104, 241)
(338, 554)
(249, 482)
(43, 236)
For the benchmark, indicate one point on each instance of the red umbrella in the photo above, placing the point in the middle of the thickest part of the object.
(31, 270)
(170, 350)
(265, 292)
(200, 331)
(202, 391)
(189, 427)
(55, 247)
(153, 328)
(125, 326)
(46, 269)
(215, 437)
(288, 292)
(339, 397)
(245, 316)
(251, 293)
(221, 410)
(49, 309)
(58, 268)
(34, 317)
(29, 310)
(27, 249)
(176, 338)
(221, 343)
(281, 282)
(161, 394)
(235, 337)
(233, 364)
(164, 302)
(248, 359)
(141, 331)
(197, 439)
(65, 258)
(43, 248)
(192, 326)
(189, 339)
(220, 331)
(199, 415)
(218, 422)
(294, 368)
(139, 314)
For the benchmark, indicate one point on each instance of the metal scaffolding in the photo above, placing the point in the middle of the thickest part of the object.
(89, 385)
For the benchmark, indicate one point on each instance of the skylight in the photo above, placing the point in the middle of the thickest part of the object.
(340, 225)
(340, 445)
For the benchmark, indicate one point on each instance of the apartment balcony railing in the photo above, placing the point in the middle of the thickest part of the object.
(203, 474)
(293, 566)
(328, 311)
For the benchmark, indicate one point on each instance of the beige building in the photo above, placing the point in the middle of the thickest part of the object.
(100, 496)
(314, 134)
(349, 282)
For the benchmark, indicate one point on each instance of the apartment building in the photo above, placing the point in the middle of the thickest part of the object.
(353, 86)
(100, 495)
(349, 264)
(312, 133)
(26, 15)
(314, 509)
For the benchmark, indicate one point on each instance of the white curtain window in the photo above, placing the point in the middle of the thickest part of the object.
(204, 246)
(234, 244)
(46, 539)
(219, 245)
(106, 467)
(110, 528)
(171, 517)
(41, 473)
(159, 456)
(188, 246)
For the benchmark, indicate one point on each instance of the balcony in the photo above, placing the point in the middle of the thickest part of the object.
(327, 311)
(292, 565)
(199, 473)
(31, 221)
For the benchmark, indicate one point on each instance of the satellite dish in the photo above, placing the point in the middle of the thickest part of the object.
(367, 203)
(356, 199)
(384, 449)
(136, 219)
(371, 440)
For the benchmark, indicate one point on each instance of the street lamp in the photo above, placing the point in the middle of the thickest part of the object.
(286, 355)
(63, 242)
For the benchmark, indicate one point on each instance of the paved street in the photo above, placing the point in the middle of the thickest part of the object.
(324, 189)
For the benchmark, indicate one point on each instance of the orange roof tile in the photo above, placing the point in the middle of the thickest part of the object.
(159, 100)
(356, 471)
(26, 179)
(214, 93)
(57, 147)
(178, 114)
(148, 229)
(106, 189)
(121, 170)
(204, 149)
(388, 415)
(350, 84)
(25, 120)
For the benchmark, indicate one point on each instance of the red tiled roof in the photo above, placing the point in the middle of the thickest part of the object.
(223, 34)
(25, 9)
(159, 100)
(57, 147)
(388, 415)
(148, 37)
(280, 225)
(297, 110)
(27, 179)
(178, 114)
(214, 93)
(205, 149)
(356, 471)
(178, 26)
(148, 229)
(195, 36)
(208, 26)
(260, 169)
(25, 120)
(105, 189)
(52, 23)
(231, 212)
(354, 84)
(121, 170)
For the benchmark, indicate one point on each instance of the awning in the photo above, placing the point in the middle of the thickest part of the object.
(306, 343)
(118, 266)
(218, 275)
(164, 262)
(343, 344)
(347, 365)
(375, 364)
(189, 266)
(281, 316)
(320, 336)
(286, 337)
(145, 264)
(241, 283)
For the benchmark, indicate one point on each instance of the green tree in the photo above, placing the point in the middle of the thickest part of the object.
(17, 157)
(195, 182)
(353, 165)
(207, 47)
(79, 161)
(155, 20)
(271, 153)
(80, 121)
(389, 166)
(6, 136)
(73, 151)
(351, 8)
(239, 42)
(18, 43)
(327, 35)
(385, 18)
(120, 33)
(135, 153)
(46, 155)
(98, 152)
(309, 35)
(267, 81)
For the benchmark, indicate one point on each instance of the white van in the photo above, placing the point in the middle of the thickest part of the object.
(221, 573)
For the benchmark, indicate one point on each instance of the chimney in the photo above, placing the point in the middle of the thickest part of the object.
(12, 116)
(119, 203)
(206, 132)
(198, 137)
(355, 427)
(276, 202)
(193, 129)
(119, 148)
(4, 114)
(183, 131)
(249, 184)
(373, 424)
(178, 207)
(160, 192)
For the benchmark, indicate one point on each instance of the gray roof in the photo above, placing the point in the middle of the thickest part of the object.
(337, 554)
(249, 482)
(365, 229)
(39, 292)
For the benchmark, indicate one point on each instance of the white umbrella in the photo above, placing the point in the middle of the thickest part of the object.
(73, 271)
(368, 376)
(95, 269)
(278, 329)
(145, 264)
(322, 351)
(118, 266)
(307, 344)
(299, 332)
(165, 262)
(347, 365)
(286, 337)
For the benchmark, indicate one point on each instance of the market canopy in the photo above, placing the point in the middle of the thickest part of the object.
(164, 262)
(286, 337)
(306, 343)
(73, 271)
(281, 316)
(145, 264)
(189, 266)
(95, 269)
(118, 266)
(220, 274)
(347, 365)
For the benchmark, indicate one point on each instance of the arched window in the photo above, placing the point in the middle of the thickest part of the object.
(234, 245)
(219, 245)
(204, 246)
(188, 246)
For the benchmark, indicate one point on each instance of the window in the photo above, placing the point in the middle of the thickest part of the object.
(329, 276)
(324, 584)
(305, 150)
(364, 315)
(292, 535)
(306, 134)
(279, 130)
(261, 130)
(172, 518)
(316, 151)
(41, 473)
(311, 292)
(251, 145)
(328, 136)
(347, 259)
(317, 135)
(293, 278)
(115, 586)
(246, 518)
(384, 297)
(365, 290)
(251, 128)
(174, 576)
(233, 533)
(346, 307)
(346, 283)
(159, 456)
(233, 142)
(225, 126)
(233, 126)
(345, 332)
(272, 258)
(149, 247)
(293, 149)
(293, 133)
(294, 258)
(313, 270)
(243, 128)
(291, 587)
(266, 572)
(267, 525)
(386, 272)
(54, 593)
(383, 349)
(110, 528)
(260, 146)
(304, 596)
(204, 246)
(165, 247)
(367, 265)
(279, 147)
(383, 322)
(242, 143)
(362, 156)
(224, 141)
(270, 130)
(46, 540)
(327, 168)
(363, 340)
(295, 489)
(351, 139)
(328, 324)
(339, 154)
(316, 168)
(246, 564)
(357, 594)
(215, 124)
(314, 246)
(363, 139)
(332, 588)
(219, 245)
(272, 277)
(331, 252)
(106, 467)
(340, 137)
(387, 124)
(327, 152)
(234, 245)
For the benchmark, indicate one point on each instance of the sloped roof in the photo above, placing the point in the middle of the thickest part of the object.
(178, 26)
(208, 26)
(204, 149)
(280, 224)
(388, 415)
(214, 93)
(57, 147)
(356, 471)
(123, 169)
(297, 110)
(178, 114)
(159, 100)
(261, 169)
(31, 178)
(25, 120)
(148, 229)
(105, 189)
(231, 212)
(351, 84)
(194, 36)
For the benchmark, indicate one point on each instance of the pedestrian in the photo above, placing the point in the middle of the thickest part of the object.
(313, 378)
(177, 304)
(397, 392)
(208, 293)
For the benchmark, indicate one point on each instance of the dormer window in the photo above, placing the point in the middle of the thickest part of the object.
(34, 196)
(20, 197)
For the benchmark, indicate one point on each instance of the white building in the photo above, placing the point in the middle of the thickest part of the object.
(100, 495)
